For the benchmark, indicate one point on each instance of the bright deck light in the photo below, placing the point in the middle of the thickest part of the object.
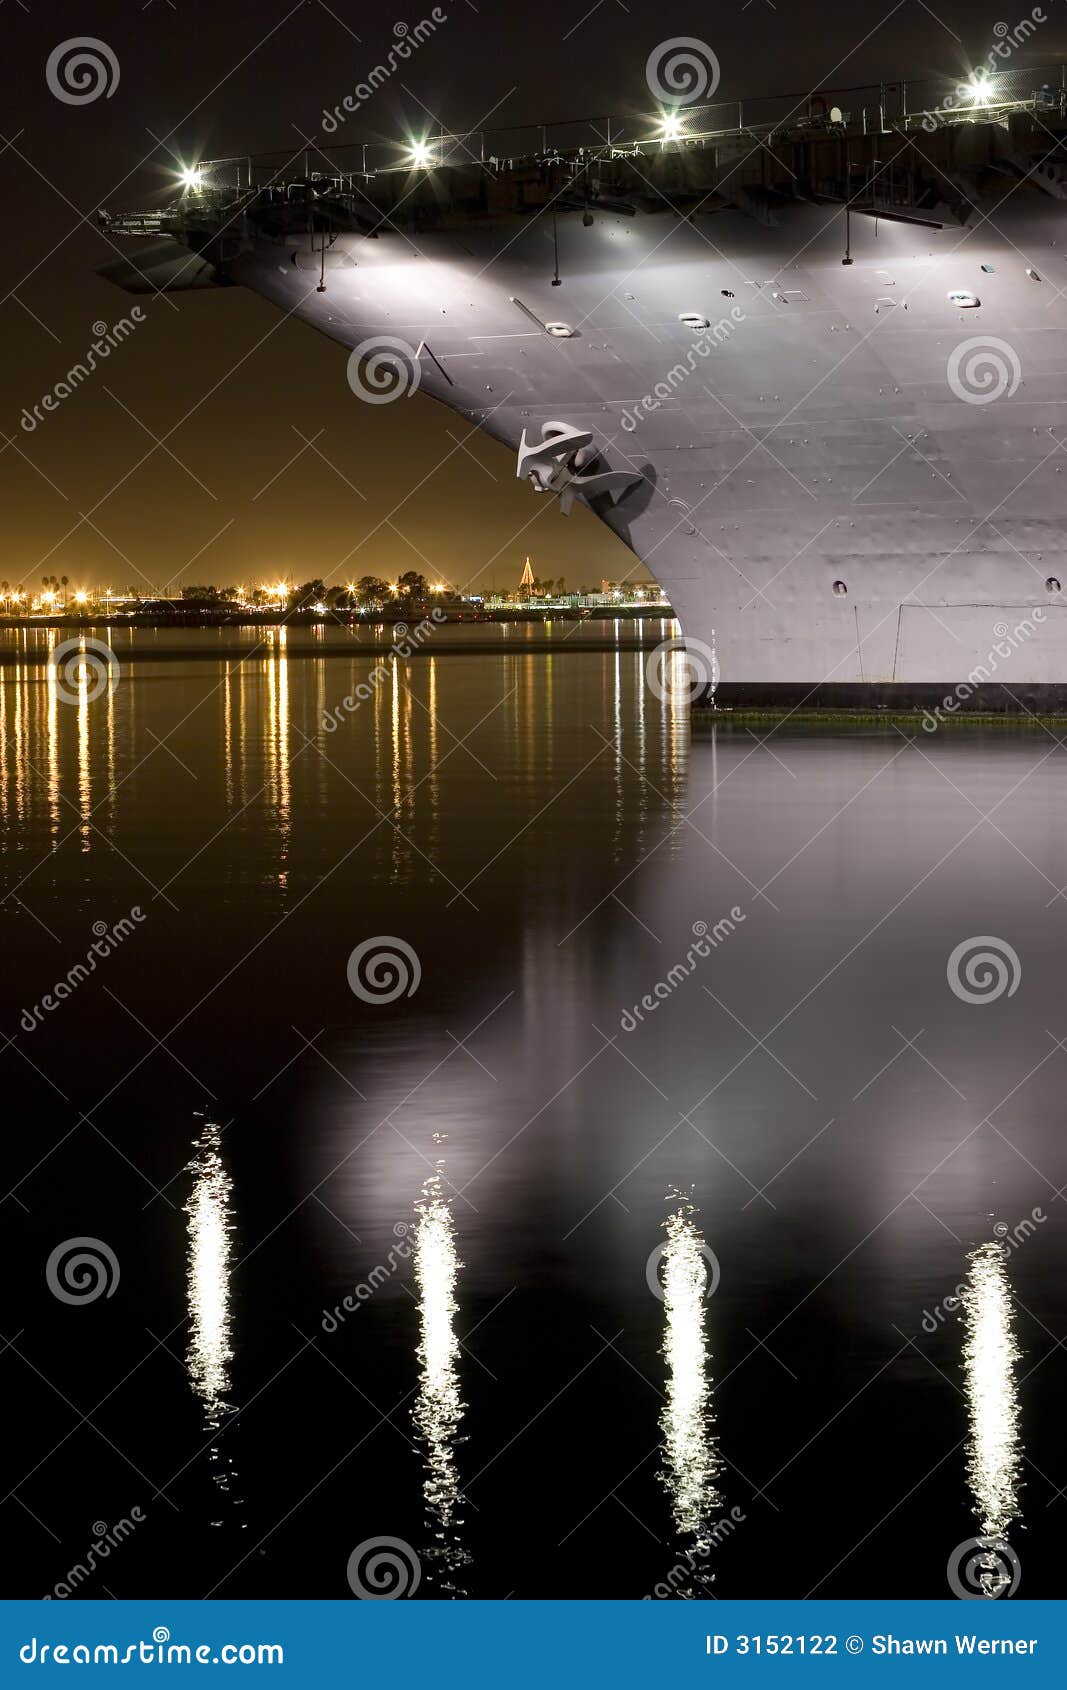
(191, 177)
(421, 154)
(670, 128)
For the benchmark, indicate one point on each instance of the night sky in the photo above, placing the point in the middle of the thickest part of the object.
(199, 80)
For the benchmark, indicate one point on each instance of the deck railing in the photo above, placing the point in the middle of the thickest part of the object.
(868, 109)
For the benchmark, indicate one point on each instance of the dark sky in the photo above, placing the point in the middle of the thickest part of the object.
(209, 80)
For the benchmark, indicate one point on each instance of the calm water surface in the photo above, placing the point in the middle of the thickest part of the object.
(436, 1269)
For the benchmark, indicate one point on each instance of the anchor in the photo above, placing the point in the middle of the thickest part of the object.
(562, 462)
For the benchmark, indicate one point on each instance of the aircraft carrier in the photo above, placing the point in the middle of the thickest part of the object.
(806, 358)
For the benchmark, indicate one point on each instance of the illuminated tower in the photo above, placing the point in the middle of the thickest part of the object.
(526, 585)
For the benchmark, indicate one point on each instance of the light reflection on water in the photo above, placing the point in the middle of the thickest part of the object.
(990, 1354)
(532, 805)
(687, 1418)
(278, 747)
(210, 1225)
(439, 1405)
(93, 766)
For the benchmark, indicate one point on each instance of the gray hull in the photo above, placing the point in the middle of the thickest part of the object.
(844, 501)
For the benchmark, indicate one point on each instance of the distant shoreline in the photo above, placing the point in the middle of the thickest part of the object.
(200, 616)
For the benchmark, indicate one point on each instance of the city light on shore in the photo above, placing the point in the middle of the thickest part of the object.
(370, 595)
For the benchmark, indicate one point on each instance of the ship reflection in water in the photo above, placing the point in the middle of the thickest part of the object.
(994, 1451)
(209, 1212)
(439, 1405)
(689, 1447)
(585, 772)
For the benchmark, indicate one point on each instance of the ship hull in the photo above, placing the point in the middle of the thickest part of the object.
(851, 489)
